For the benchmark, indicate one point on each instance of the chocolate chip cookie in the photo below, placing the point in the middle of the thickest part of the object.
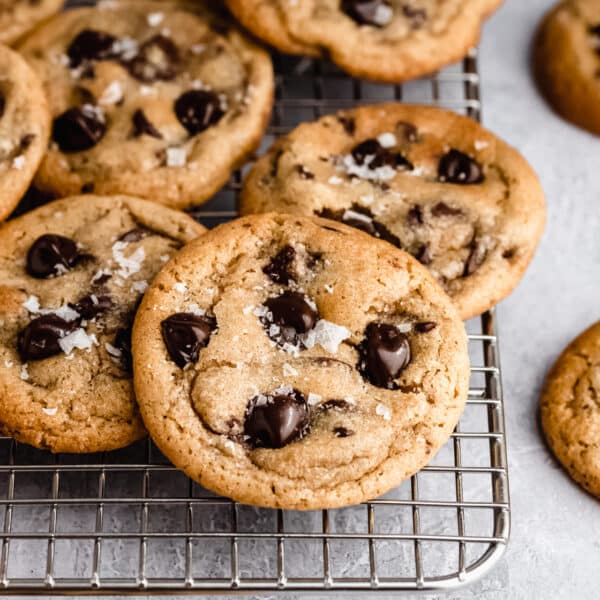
(17, 17)
(429, 181)
(570, 409)
(71, 275)
(24, 128)
(161, 104)
(567, 61)
(385, 40)
(298, 363)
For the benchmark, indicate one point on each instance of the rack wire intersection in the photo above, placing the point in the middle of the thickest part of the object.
(128, 522)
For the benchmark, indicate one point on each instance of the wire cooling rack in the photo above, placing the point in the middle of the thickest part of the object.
(128, 522)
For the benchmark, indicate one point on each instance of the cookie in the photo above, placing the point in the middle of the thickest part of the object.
(161, 104)
(275, 365)
(567, 61)
(570, 410)
(432, 182)
(17, 17)
(71, 275)
(385, 40)
(24, 128)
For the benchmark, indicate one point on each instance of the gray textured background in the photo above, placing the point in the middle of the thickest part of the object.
(555, 544)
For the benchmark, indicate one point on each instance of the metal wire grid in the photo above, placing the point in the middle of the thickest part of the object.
(128, 522)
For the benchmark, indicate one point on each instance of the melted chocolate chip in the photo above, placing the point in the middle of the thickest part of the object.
(123, 344)
(348, 123)
(423, 254)
(50, 255)
(335, 404)
(441, 209)
(280, 269)
(89, 307)
(198, 110)
(425, 326)
(156, 60)
(2, 104)
(185, 334)
(384, 353)
(40, 339)
(78, 129)
(142, 126)
(91, 45)
(135, 235)
(88, 188)
(377, 13)
(408, 130)
(342, 432)
(292, 313)
(458, 167)
(476, 257)
(595, 31)
(373, 154)
(26, 141)
(417, 16)
(415, 216)
(361, 218)
(276, 421)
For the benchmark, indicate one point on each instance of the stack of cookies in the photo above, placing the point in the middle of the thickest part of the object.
(309, 354)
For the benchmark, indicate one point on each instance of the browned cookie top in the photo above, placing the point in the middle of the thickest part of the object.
(298, 363)
(148, 98)
(388, 40)
(71, 276)
(432, 182)
(19, 16)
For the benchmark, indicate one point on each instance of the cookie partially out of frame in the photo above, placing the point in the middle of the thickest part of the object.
(17, 17)
(430, 181)
(298, 363)
(567, 61)
(386, 40)
(71, 275)
(570, 410)
(24, 128)
(152, 99)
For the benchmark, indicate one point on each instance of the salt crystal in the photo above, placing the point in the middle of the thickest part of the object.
(384, 411)
(387, 140)
(180, 287)
(50, 411)
(113, 351)
(289, 371)
(333, 180)
(140, 286)
(196, 310)
(313, 399)
(176, 157)
(155, 19)
(25, 372)
(18, 162)
(113, 94)
(78, 339)
(326, 334)
(128, 265)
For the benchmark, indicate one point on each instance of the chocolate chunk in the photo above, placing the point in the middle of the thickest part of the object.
(292, 313)
(276, 421)
(123, 344)
(377, 13)
(280, 269)
(342, 432)
(142, 126)
(348, 123)
(78, 129)
(374, 155)
(40, 339)
(50, 255)
(417, 16)
(458, 167)
(89, 307)
(135, 235)
(415, 216)
(2, 104)
(185, 334)
(275, 163)
(26, 141)
(88, 188)
(91, 45)
(304, 172)
(384, 353)
(156, 60)
(425, 326)
(198, 110)
(361, 218)
(441, 209)
(476, 258)
(335, 404)
(509, 253)
(408, 130)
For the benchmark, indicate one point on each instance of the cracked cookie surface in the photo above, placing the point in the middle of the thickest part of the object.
(17, 17)
(567, 61)
(298, 363)
(432, 182)
(570, 409)
(71, 275)
(386, 40)
(151, 99)
(24, 128)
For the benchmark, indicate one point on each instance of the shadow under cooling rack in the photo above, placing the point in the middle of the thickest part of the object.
(127, 521)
